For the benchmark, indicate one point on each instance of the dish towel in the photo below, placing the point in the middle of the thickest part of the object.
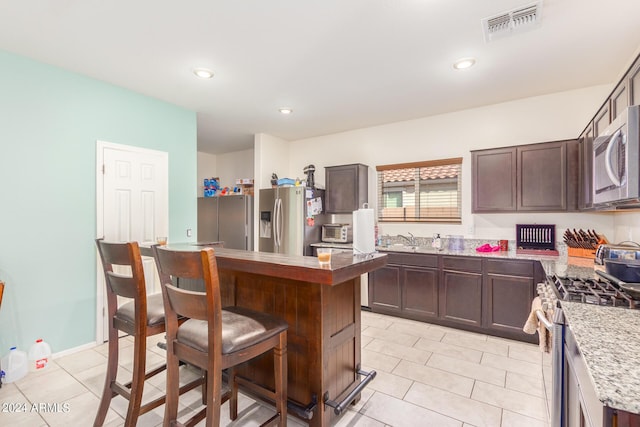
(533, 324)
(487, 248)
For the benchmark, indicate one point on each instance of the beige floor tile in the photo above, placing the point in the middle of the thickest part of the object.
(460, 332)
(533, 355)
(81, 361)
(15, 409)
(93, 378)
(452, 405)
(468, 369)
(378, 361)
(450, 350)
(364, 340)
(525, 384)
(390, 384)
(511, 419)
(123, 343)
(364, 397)
(512, 365)
(423, 331)
(471, 342)
(399, 413)
(53, 387)
(400, 351)
(515, 401)
(376, 321)
(390, 336)
(126, 359)
(353, 418)
(78, 411)
(435, 377)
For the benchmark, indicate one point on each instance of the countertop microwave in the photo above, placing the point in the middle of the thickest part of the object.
(616, 153)
(337, 233)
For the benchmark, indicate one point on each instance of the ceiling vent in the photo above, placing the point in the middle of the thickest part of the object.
(520, 19)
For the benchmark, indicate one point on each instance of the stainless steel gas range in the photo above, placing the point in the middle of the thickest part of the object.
(572, 401)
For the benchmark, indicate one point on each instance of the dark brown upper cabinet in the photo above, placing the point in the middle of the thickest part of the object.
(347, 188)
(529, 178)
(585, 167)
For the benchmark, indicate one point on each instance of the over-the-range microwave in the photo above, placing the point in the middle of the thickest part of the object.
(616, 153)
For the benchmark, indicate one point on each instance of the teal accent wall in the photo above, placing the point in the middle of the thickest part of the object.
(50, 120)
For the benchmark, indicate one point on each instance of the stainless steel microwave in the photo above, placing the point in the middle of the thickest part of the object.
(616, 153)
(337, 233)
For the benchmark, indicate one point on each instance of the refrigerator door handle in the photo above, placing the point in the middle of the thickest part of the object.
(277, 214)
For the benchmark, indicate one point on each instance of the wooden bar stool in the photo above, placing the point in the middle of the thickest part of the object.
(142, 317)
(214, 338)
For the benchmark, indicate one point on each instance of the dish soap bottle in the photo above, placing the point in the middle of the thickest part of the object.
(437, 242)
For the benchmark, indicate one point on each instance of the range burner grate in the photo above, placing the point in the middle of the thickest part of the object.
(593, 291)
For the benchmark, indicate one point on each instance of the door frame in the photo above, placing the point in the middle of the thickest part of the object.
(100, 146)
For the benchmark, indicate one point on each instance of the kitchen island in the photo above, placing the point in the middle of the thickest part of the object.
(321, 304)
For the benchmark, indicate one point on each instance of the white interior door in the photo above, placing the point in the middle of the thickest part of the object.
(133, 205)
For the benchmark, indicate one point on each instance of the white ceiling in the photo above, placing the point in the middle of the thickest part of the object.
(340, 64)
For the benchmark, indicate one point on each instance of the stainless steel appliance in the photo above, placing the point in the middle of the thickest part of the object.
(337, 233)
(621, 251)
(616, 153)
(582, 290)
(226, 219)
(289, 220)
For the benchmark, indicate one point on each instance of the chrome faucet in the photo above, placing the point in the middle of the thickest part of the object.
(411, 240)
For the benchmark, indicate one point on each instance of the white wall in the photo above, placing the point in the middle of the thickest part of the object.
(271, 155)
(206, 169)
(545, 118)
(235, 165)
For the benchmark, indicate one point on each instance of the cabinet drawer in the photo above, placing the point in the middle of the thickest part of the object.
(510, 267)
(420, 260)
(462, 263)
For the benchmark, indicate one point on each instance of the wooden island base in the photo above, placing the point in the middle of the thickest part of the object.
(322, 308)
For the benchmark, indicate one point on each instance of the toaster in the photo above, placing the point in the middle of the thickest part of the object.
(337, 233)
(620, 252)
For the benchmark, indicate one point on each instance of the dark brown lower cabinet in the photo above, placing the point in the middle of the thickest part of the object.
(407, 286)
(384, 290)
(509, 289)
(484, 295)
(420, 292)
(461, 290)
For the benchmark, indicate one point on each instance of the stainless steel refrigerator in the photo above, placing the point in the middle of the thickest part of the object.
(227, 219)
(289, 220)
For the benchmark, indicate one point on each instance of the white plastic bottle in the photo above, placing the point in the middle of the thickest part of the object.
(39, 355)
(14, 365)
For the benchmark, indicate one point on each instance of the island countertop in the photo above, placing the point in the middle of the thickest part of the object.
(344, 266)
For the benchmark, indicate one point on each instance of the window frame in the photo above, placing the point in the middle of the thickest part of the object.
(419, 187)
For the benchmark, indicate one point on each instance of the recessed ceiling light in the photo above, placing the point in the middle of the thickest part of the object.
(285, 110)
(203, 73)
(463, 63)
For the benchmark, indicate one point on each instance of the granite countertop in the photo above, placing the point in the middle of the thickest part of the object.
(608, 338)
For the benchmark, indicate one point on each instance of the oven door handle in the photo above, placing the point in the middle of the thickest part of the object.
(543, 319)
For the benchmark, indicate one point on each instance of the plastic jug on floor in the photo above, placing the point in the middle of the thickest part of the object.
(39, 356)
(14, 365)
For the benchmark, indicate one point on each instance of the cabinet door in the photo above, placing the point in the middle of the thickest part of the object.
(507, 302)
(420, 292)
(619, 99)
(634, 84)
(384, 290)
(542, 177)
(602, 120)
(346, 188)
(461, 297)
(494, 180)
(585, 165)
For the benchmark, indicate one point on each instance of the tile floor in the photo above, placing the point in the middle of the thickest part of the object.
(427, 375)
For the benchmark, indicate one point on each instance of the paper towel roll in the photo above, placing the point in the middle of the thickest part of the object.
(364, 231)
